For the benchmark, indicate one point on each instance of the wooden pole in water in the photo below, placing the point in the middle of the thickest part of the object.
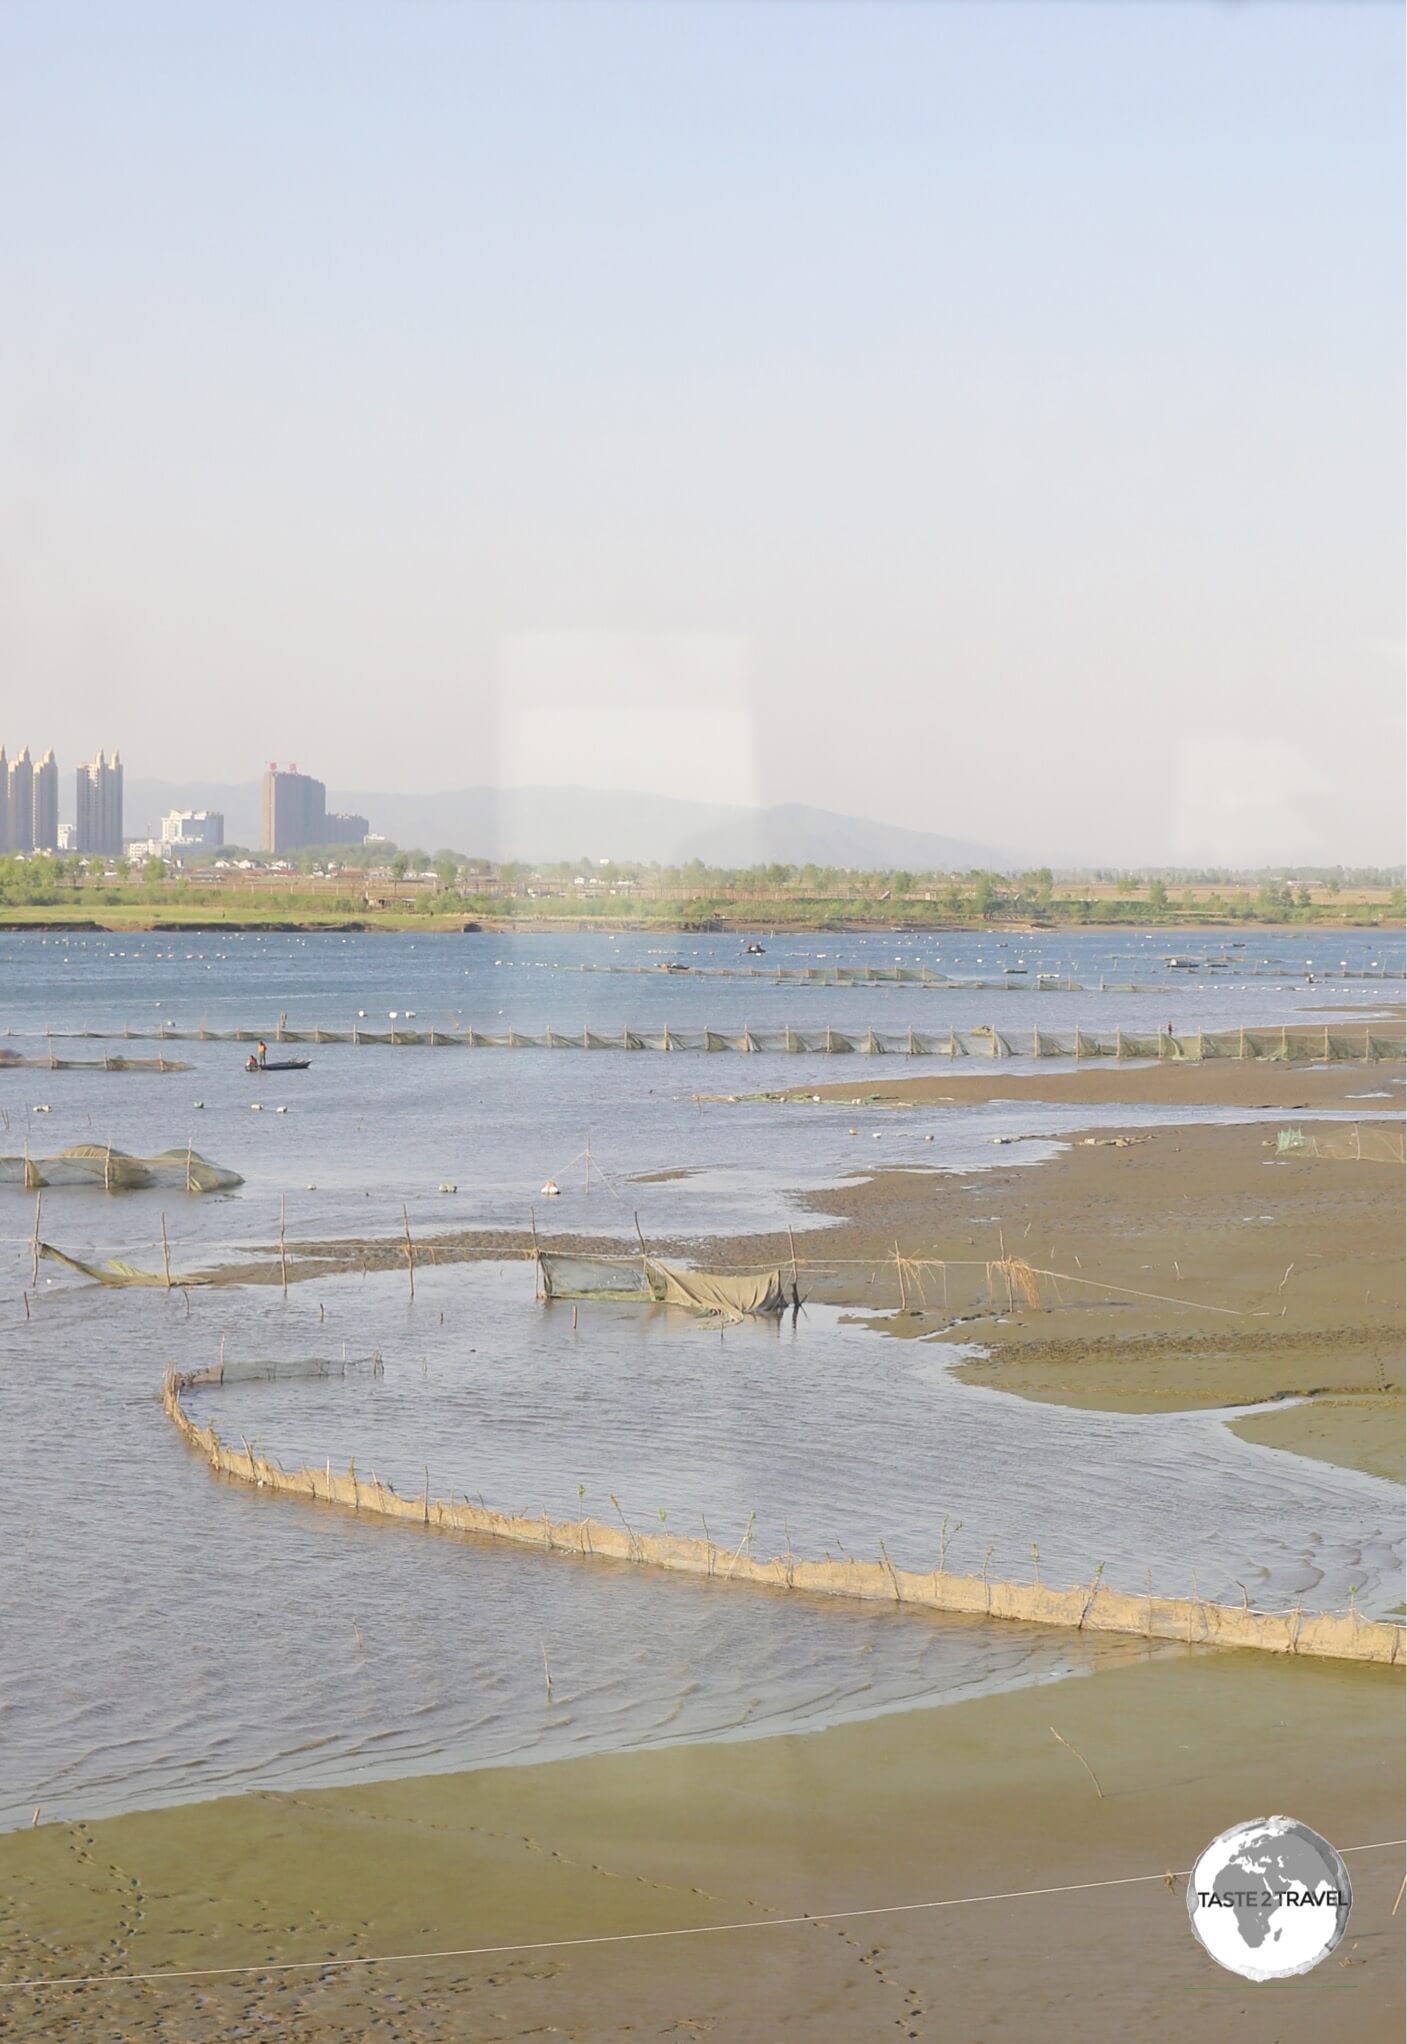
(282, 1245)
(537, 1255)
(165, 1253)
(38, 1209)
(899, 1267)
(409, 1250)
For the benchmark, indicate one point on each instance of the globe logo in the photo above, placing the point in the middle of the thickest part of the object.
(1269, 1898)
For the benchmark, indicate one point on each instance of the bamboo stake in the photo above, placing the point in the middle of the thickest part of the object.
(165, 1253)
(282, 1246)
(38, 1209)
(409, 1250)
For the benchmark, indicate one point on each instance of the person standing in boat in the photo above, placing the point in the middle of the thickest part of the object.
(263, 1054)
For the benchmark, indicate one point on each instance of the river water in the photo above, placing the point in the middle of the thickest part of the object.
(181, 1637)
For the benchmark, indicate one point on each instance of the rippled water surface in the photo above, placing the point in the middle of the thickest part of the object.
(182, 1636)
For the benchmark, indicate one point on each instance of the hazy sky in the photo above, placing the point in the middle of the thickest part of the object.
(985, 417)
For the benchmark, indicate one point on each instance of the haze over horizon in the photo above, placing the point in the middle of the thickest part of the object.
(984, 419)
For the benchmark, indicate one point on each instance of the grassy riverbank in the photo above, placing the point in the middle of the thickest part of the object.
(363, 900)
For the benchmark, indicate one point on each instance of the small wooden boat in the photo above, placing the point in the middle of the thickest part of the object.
(288, 1064)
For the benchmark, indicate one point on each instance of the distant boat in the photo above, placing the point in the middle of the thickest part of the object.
(288, 1064)
(1184, 964)
(758, 950)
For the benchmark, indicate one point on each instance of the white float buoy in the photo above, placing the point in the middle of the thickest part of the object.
(552, 1190)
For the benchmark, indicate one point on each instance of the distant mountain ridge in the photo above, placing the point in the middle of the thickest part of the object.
(546, 824)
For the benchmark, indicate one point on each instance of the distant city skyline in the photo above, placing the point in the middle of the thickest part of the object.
(34, 819)
(988, 419)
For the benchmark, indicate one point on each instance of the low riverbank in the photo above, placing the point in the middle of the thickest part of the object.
(253, 910)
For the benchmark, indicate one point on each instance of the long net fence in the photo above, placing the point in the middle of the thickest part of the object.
(1302, 1044)
(13, 1060)
(1093, 1606)
(1012, 979)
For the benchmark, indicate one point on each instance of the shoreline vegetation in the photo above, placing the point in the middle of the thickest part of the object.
(346, 891)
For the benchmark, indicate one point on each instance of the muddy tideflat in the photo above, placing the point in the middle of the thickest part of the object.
(975, 1800)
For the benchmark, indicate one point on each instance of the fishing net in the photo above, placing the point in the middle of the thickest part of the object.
(1300, 1044)
(256, 1370)
(1355, 1145)
(1083, 1607)
(726, 1295)
(12, 1060)
(113, 1170)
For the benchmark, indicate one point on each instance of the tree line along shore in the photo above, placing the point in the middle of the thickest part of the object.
(412, 891)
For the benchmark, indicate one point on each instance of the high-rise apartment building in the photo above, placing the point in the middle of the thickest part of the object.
(29, 803)
(295, 810)
(46, 803)
(19, 802)
(345, 827)
(99, 812)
